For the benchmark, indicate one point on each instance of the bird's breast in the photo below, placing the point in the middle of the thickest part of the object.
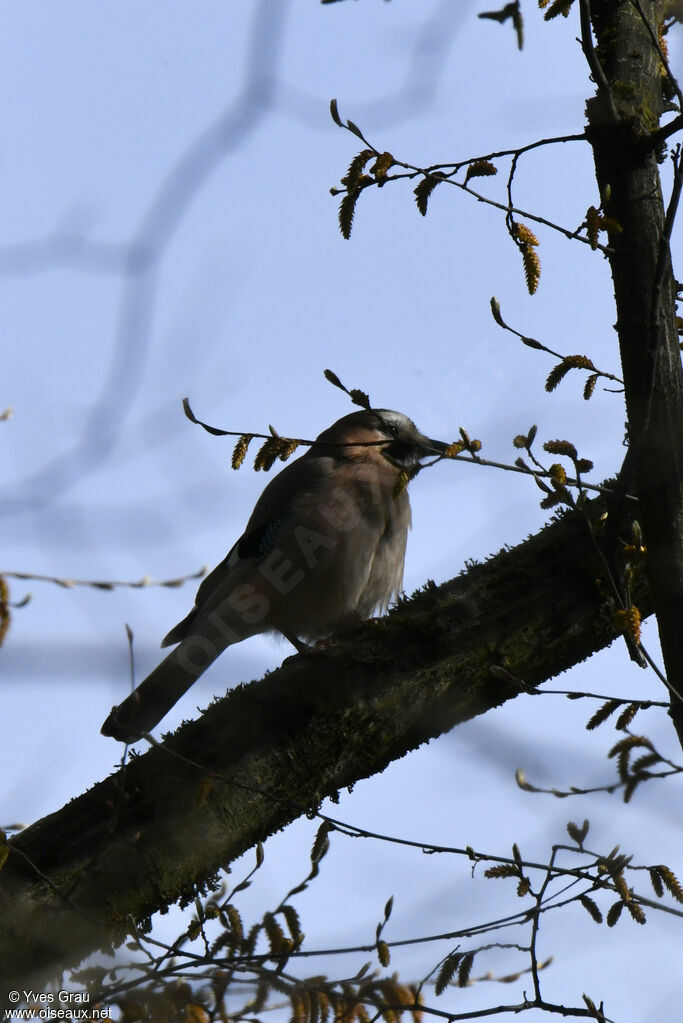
(340, 555)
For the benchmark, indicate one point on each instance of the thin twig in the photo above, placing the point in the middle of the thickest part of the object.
(446, 170)
(573, 695)
(505, 207)
(138, 584)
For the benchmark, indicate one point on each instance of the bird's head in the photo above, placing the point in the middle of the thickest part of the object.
(393, 435)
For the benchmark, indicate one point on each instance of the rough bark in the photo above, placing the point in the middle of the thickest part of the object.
(622, 120)
(273, 749)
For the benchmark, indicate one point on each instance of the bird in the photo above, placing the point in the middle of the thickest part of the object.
(323, 548)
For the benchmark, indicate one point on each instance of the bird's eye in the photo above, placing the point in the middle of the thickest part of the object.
(391, 428)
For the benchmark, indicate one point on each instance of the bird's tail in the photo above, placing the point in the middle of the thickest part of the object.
(151, 701)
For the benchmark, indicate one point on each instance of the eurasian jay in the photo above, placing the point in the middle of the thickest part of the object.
(324, 547)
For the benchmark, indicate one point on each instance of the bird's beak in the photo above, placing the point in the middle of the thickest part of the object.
(431, 447)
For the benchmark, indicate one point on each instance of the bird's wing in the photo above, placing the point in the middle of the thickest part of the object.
(238, 565)
(275, 509)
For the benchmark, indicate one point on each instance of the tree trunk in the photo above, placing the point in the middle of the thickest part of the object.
(622, 120)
